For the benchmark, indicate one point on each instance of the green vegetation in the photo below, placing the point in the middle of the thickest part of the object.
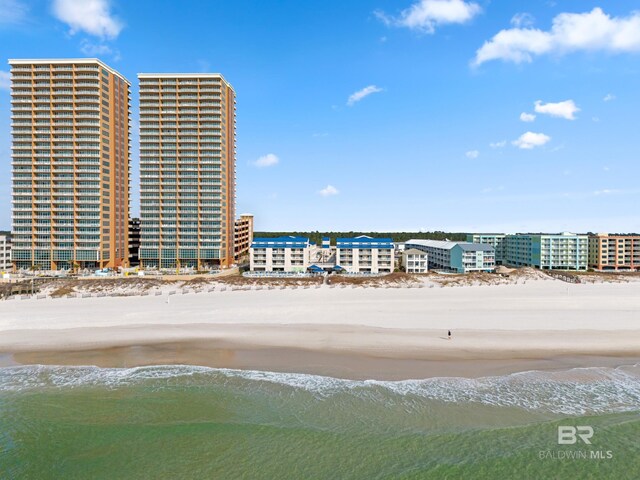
(316, 237)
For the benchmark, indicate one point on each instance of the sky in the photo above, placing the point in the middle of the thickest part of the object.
(406, 115)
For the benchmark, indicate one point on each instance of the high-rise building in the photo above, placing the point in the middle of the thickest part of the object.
(187, 169)
(70, 126)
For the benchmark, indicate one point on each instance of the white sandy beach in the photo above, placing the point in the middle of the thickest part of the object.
(537, 320)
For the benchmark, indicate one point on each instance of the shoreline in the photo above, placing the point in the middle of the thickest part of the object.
(357, 353)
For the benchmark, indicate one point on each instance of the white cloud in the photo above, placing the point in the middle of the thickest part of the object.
(472, 154)
(522, 20)
(425, 15)
(360, 94)
(90, 16)
(608, 97)
(570, 32)
(500, 144)
(566, 109)
(268, 160)
(93, 50)
(328, 191)
(5, 80)
(606, 191)
(531, 140)
(527, 117)
(12, 12)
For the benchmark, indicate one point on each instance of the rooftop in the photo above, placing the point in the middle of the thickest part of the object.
(448, 245)
(45, 61)
(414, 251)
(185, 75)
(288, 241)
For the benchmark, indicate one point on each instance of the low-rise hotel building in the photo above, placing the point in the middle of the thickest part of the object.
(496, 240)
(457, 257)
(365, 254)
(415, 261)
(5, 253)
(243, 234)
(279, 254)
(561, 251)
(614, 252)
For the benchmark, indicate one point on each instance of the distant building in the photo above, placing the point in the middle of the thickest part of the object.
(496, 240)
(365, 254)
(134, 242)
(243, 234)
(279, 254)
(415, 261)
(614, 252)
(5, 253)
(458, 257)
(561, 251)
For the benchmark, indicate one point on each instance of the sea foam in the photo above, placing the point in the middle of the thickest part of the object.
(578, 391)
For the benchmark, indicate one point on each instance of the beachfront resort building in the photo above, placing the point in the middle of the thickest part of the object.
(496, 240)
(561, 251)
(243, 234)
(70, 157)
(5, 253)
(456, 257)
(280, 254)
(415, 261)
(187, 169)
(614, 252)
(365, 254)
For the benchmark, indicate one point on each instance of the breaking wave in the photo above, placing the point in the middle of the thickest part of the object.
(578, 391)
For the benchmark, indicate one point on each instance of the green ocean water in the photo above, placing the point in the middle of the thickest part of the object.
(188, 422)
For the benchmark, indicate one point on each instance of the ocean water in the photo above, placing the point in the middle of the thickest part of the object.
(175, 422)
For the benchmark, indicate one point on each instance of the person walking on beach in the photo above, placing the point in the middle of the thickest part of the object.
(449, 334)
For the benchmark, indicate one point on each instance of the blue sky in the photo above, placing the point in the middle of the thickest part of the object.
(386, 115)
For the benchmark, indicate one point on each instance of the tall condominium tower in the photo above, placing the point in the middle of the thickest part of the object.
(70, 126)
(187, 170)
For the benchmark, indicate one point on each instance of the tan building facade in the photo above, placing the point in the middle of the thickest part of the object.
(187, 167)
(243, 234)
(614, 252)
(70, 157)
